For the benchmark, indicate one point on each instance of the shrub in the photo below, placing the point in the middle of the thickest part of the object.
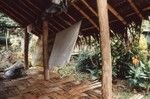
(139, 76)
(89, 61)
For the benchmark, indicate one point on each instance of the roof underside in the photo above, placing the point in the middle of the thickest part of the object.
(121, 13)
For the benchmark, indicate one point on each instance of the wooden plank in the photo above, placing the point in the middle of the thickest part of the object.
(105, 49)
(31, 3)
(117, 15)
(11, 14)
(66, 22)
(54, 27)
(83, 88)
(85, 15)
(135, 9)
(70, 17)
(22, 9)
(90, 8)
(146, 9)
(26, 48)
(45, 50)
(28, 7)
(111, 9)
(14, 10)
(89, 28)
(54, 20)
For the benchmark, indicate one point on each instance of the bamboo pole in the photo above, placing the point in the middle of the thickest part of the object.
(105, 48)
(45, 49)
(26, 47)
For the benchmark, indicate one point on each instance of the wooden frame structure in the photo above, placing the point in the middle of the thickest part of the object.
(105, 48)
(26, 48)
(45, 49)
(101, 16)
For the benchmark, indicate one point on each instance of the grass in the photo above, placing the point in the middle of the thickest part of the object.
(127, 95)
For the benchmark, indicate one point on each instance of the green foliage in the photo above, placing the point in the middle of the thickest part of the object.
(89, 61)
(139, 76)
(123, 65)
(6, 21)
(66, 70)
(69, 71)
(95, 73)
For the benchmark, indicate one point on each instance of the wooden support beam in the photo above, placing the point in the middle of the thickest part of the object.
(90, 8)
(66, 22)
(89, 28)
(70, 17)
(135, 9)
(105, 49)
(117, 15)
(45, 50)
(30, 2)
(38, 10)
(27, 7)
(23, 10)
(85, 15)
(111, 9)
(58, 23)
(14, 10)
(146, 9)
(11, 14)
(54, 27)
(26, 47)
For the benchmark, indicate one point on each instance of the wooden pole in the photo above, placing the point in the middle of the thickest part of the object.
(26, 47)
(106, 49)
(6, 36)
(45, 49)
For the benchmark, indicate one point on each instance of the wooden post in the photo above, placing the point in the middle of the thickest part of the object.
(45, 49)
(105, 48)
(26, 47)
(6, 36)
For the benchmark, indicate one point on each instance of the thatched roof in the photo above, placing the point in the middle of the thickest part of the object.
(121, 13)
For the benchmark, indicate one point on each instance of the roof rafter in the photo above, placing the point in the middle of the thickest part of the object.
(54, 27)
(70, 17)
(58, 23)
(110, 8)
(91, 9)
(11, 14)
(117, 15)
(34, 5)
(145, 9)
(135, 9)
(66, 22)
(89, 28)
(23, 3)
(85, 15)
(20, 7)
(15, 11)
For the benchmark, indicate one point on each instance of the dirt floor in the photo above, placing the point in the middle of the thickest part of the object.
(34, 87)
